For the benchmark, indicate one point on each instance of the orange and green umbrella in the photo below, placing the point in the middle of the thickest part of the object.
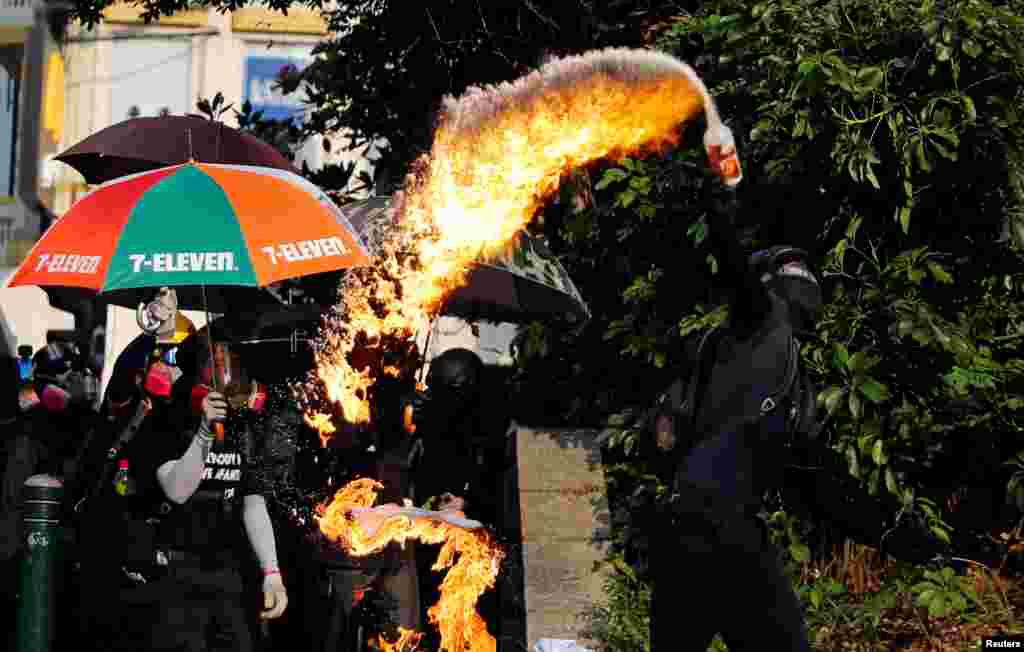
(195, 224)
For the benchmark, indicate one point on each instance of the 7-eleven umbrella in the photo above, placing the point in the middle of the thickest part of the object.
(189, 227)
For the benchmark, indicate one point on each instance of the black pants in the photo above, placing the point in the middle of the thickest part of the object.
(329, 616)
(716, 573)
(188, 610)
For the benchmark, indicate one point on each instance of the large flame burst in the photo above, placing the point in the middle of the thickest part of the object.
(473, 558)
(499, 154)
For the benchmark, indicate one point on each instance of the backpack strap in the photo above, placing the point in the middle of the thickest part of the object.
(789, 384)
(688, 406)
(125, 436)
(800, 398)
(678, 402)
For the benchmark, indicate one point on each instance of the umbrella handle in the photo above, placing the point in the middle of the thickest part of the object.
(218, 427)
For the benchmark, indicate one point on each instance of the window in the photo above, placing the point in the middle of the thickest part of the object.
(263, 66)
(150, 76)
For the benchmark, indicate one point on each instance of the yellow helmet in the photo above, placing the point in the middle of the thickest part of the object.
(183, 327)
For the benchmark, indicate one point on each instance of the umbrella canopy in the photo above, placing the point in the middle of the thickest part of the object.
(524, 282)
(142, 144)
(192, 226)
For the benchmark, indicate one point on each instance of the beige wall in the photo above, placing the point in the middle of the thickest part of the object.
(217, 63)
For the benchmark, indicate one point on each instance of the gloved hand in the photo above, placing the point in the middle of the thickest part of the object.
(275, 597)
(214, 409)
(158, 317)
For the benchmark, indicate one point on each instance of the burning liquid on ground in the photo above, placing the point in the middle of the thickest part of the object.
(472, 557)
(499, 154)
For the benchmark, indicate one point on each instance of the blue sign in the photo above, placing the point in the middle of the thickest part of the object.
(261, 80)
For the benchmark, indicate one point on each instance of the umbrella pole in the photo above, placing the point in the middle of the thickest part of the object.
(217, 427)
(426, 349)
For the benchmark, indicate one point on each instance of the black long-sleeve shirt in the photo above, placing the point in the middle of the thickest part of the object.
(747, 362)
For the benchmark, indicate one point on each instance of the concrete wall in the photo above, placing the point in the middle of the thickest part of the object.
(563, 522)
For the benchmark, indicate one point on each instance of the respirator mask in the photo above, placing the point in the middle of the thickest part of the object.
(227, 373)
(785, 271)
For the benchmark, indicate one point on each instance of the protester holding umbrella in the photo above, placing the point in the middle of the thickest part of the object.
(189, 500)
(203, 495)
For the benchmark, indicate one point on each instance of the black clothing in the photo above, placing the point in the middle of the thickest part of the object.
(210, 521)
(10, 385)
(191, 609)
(741, 589)
(728, 449)
(725, 459)
(462, 443)
(190, 556)
(123, 384)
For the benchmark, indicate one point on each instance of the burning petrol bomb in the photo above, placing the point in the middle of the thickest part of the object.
(499, 154)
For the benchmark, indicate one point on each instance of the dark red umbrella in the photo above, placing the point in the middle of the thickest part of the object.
(142, 144)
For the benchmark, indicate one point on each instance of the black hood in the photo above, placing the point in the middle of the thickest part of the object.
(784, 269)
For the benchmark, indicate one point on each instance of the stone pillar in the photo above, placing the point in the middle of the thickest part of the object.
(563, 523)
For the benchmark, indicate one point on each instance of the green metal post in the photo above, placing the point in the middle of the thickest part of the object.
(41, 515)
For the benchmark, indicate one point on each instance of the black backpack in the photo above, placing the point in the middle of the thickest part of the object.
(675, 407)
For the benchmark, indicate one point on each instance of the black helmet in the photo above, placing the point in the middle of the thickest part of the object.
(455, 376)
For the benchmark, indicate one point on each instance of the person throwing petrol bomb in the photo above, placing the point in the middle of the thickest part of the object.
(729, 430)
(195, 472)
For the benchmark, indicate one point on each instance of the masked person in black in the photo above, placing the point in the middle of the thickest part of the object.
(452, 472)
(144, 372)
(203, 493)
(730, 434)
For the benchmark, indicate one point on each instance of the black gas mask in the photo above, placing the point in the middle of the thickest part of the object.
(785, 271)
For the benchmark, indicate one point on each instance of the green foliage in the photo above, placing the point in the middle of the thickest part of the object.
(622, 622)
(822, 594)
(879, 137)
(941, 593)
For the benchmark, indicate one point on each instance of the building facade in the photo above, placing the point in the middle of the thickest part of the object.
(57, 89)
(125, 68)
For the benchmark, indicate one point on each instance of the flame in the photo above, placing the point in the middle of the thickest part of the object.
(408, 640)
(321, 422)
(499, 154)
(472, 558)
